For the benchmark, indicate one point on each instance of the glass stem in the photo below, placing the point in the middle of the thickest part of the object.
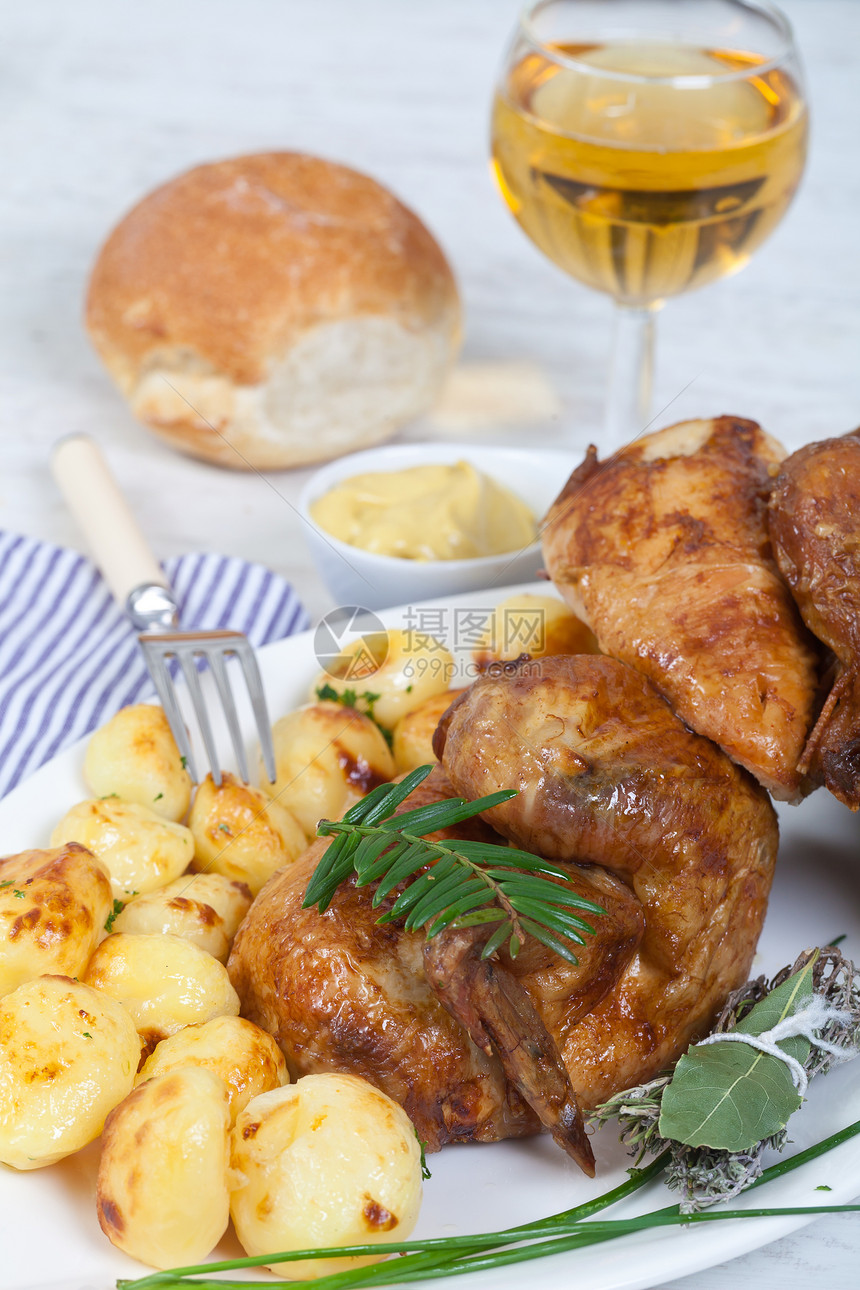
(628, 405)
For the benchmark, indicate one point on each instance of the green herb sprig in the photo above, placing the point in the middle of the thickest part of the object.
(457, 883)
(451, 1256)
(736, 1092)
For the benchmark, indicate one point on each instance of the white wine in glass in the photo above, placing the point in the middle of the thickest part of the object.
(647, 149)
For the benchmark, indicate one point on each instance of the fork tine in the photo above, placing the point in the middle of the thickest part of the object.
(219, 671)
(214, 647)
(253, 680)
(163, 681)
(192, 678)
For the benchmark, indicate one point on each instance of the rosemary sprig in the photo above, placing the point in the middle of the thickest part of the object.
(448, 884)
(451, 1256)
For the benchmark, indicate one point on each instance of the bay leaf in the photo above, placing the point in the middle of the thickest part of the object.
(729, 1096)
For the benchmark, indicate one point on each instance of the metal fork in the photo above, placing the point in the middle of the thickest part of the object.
(140, 587)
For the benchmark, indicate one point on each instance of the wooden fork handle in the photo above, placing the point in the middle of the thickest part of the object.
(112, 533)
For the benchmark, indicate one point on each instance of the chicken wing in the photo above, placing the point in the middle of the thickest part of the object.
(608, 775)
(663, 549)
(430, 1023)
(815, 530)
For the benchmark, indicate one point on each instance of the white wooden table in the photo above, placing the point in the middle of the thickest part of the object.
(100, 101)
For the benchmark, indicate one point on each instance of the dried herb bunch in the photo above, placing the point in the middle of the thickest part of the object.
(706, 1175)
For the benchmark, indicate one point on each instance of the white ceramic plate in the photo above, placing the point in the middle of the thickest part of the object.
(50, 1235)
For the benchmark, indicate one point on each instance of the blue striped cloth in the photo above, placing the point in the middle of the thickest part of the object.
(69, 657)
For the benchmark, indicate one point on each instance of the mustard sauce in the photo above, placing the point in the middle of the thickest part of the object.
(426, 513)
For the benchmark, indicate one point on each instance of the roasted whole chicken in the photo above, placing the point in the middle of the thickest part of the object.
(678, 846)
(608, 775)
(815, 530)
(456, 1040)
(663, 549)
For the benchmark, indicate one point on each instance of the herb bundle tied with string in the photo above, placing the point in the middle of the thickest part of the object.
(725, 1105)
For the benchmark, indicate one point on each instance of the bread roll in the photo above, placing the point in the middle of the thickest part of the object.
(273, 310)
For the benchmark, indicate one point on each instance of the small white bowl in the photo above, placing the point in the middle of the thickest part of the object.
(356, 577)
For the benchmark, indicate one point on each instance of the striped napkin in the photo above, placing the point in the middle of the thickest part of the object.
(69, 657)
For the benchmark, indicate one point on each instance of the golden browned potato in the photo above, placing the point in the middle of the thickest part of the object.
(413, 734)
(67, 1056)
(162, 1186)
(204, 908)
(53, 906)
(327, 757)
(390, 674)
(329, 1160)
(242, 833)
(141, 850)
(534, 625)
(165, 983)
(245, 1057)
(135, 756)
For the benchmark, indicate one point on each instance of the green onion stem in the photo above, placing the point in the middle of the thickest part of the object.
(405, 1270)
(448, 1256)
(638, 1178)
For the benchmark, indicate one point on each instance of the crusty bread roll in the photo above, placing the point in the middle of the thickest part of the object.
(273, 310)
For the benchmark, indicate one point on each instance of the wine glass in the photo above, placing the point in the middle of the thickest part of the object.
(648, 147)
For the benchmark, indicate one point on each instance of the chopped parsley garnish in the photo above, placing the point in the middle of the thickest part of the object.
(425, 1172)
(349, 698)
(362, 702)
(118, 907)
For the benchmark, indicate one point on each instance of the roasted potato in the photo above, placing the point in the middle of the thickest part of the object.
(241, 833)
(413, 734)
(67, 1056)
(163, 981)
(245, 1057)
(53, 906)
(387, 679)
(329, 1160)
(162, 1185)
(534, 625)
(135, 756)
(327, 757)
(141, 850)
(204, 908)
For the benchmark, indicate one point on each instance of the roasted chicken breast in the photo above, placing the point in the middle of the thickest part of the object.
(664, 550)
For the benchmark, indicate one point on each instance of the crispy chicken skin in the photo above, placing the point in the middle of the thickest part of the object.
(339, 992)
(663, 549)
(500, 1017)
(607, 774)
(815, 530)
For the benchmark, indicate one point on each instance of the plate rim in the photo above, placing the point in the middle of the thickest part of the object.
(640, 1266)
